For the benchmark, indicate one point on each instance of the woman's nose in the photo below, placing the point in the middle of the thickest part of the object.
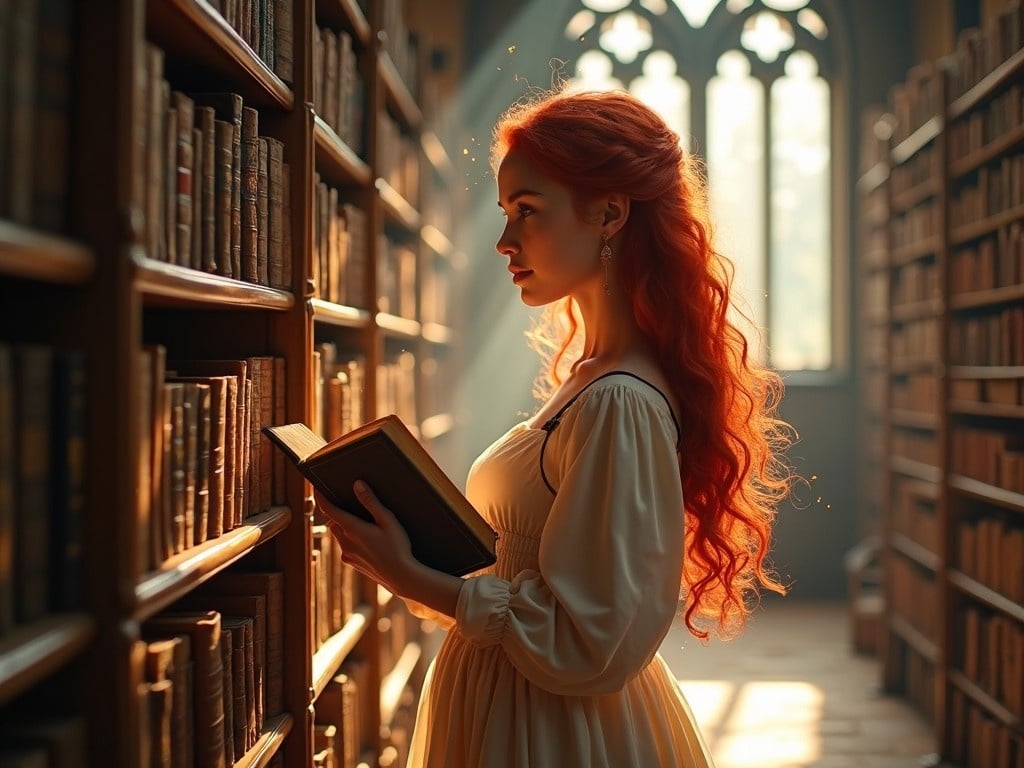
(506, 245)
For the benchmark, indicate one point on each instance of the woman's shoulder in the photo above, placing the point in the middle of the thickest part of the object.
(637, 375)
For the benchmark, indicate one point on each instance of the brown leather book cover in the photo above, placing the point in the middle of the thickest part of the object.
(446, 532)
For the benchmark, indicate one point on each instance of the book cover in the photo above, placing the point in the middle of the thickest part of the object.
(446, 532)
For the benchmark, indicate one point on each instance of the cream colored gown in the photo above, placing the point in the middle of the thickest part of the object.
(552, 659)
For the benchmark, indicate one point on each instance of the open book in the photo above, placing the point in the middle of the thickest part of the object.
(445, 531)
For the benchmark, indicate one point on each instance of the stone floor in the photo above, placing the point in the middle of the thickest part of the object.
(790, 693)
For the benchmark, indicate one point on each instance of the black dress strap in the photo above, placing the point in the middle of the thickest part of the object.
(554, 421)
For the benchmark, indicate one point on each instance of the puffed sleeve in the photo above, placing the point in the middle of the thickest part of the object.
(610, 555)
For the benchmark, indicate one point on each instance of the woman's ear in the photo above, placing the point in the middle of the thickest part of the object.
(616, 213)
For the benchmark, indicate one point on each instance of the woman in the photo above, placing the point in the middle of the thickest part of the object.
(650, 472)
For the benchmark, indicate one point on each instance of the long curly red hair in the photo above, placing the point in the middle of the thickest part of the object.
(732, 448)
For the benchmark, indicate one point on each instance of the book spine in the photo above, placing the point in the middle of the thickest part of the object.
(249, 194)
(224, 136)
(275, 157)
(262, 213)
(206, 119)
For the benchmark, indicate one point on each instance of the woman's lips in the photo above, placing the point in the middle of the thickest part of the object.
(519, 274)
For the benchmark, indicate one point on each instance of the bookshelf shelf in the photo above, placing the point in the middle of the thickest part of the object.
(916, 195)
(913, 637)
(905, 367)
(986, 372)
(915, 469)
(914, 419)
(916, 310)
(397, 207)
(914, 551)
(437, 241)
(33, 255)
(991, 410)
(975, 589)
(338, 314)
(275, 731)
(991, 151)
(329, 656)
(438, 156)
(988, 298)
(1003, 74)
(172, 285)
(196, 34)
(436, 333)
(336, 158)
(917, 140)
(29, 653)
(184, 572)
(873, 178)
(983, 699)
(398, 327)
(976, 229)
(398, 93)
(906, 254)
(349, 13)
(985, 492)
(437, 426)
(394, 682)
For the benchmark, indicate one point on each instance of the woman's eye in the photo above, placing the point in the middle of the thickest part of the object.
(525, 210)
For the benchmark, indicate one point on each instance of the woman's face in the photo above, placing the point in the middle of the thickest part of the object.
(552, 250)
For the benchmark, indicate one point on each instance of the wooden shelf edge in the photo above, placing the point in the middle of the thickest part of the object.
(437, 155)
(398, 326)
(1003, 73)
(987, 297)
(916, 469)
(35, 255)
(913, 419)
(905, 254)
(912, 197)
(990, 597)
(985, 492)
(396, 206)
(399, 92)
(437, 241)
(183, 572)
(914, 637)
(338, 314)
(873, 178)
(332, 653)
(917, 140)
(983, 699)
(357, 19)
(914, 551)
(986, 372)
(436, 333)
(340, 155)
(394, 682)
(992, 410)
(990, 151)
(192, 287)
(31, 652)
(917, 310)
(224, 49)
(437, 426)
(975, 229)
(275, 731)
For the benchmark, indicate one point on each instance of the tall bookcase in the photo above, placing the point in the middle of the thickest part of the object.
(953, 490)
(309, 267)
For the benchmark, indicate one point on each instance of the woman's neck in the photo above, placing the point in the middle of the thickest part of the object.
(610, 330)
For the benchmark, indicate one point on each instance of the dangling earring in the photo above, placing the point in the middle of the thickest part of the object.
(606, 260)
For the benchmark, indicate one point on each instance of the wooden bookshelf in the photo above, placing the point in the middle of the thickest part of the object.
(957, 369)
(194, 280)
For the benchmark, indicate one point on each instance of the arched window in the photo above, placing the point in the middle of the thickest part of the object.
(746, 84)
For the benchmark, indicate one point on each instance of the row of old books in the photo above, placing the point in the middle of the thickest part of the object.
(1008, 391)
(341, 244)
(338, 89)
(398, 158)
(921, 169)
(993, 656)
(396, 278)
(979, 50)
(35, 112)
(336, 587)
(991, 550)
(993, 338)
(914, 595)
(396, 387)
(992, 456)
(916, 281)
(994, 261)
(916, 341)
(977, 738)
(435, 298)
(42, 481)
(401, 45)
(204, 464)
(914, 514)
(344, 727)
(915, 392)
(917, 224)
(213, 671)
(916, 100)
(999, 187)
(982, 128)
(339, 390)
(217, 193)
(918, 445)
(267, 27)
(53, 742)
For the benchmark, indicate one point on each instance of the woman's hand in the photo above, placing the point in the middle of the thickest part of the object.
(380, 549)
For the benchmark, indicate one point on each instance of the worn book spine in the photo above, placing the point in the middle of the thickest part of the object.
(144, 486)
(279, 384)
(160, 696)
(207, 221)
(19, 103)
(170, 159)
(202, 464)
(283, 40)
(244, 497)
(224, 136)
(275, 221)
(262, 214)
(218, 454)
(68, 473)
(175, 394)
(268, 31)
(154, 153)
(190, 412)
(232, 749)
(250, 191)
(198, 155)
(286, 226)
